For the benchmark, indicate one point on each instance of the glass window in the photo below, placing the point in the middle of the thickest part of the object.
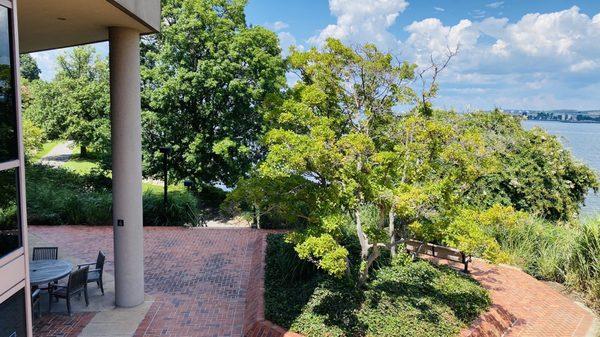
(9, 220)
(12, 316)
(8, 121)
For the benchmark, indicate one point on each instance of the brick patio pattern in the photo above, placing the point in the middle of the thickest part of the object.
(200, 281)
(61, 325)
(541, 310)
(198, 277)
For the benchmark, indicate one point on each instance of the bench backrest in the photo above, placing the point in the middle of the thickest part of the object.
(443, 252)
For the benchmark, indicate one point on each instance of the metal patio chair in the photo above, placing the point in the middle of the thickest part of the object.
(76, 285)
(45, 253)
(35, 302)
(95, 275)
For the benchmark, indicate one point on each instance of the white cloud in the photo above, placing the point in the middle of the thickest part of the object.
(439, 9)
(584, 66)
(495, 5)
(547, 57)
(430, 37)
(478, 14)
(362, 21)
(287, 40)
(277, 26)
(560, 41)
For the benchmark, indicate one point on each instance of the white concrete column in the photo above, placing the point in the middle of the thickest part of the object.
(125, 104)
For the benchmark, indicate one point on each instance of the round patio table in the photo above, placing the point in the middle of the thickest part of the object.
(47, 271)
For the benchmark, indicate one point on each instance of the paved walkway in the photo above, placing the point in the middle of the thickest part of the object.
(59, 155)
(198, 281)
(541, 310)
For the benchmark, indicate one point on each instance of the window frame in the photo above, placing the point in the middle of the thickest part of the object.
(18, 260)
(16, 164)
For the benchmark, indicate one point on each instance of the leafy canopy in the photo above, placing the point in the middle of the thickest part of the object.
(205, 79)
(76, 104)
(435, 175)
(338, 130)
(29, 67)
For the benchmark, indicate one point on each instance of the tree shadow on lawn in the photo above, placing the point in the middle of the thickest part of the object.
(340, 308)
(415, 293)
(461, 294)
(422, 301)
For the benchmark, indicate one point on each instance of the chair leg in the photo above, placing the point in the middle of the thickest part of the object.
(69, 304)
(101, 286)
(85, 295)
(49, 302)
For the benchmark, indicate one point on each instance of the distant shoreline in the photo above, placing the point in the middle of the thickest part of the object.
(559, 121)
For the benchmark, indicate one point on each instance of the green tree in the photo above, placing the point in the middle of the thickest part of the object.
(33, 138)
(338, 130)
(329, 131)
(29, 68)
(429, 174)
(205, 78)
(76, 104)
(538, 174)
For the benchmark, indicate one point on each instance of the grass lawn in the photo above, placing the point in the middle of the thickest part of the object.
(46, 148)
(81, 165)
(158, 189)
(402, 298)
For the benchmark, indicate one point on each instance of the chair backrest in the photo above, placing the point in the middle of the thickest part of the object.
(77, 279)
(100, 261)
(45, 253)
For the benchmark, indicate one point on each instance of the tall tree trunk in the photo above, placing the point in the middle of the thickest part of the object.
(83, 152)
(366, 258)
(364, 247)
(366, 265)
(257, 216)
(392, 231)
(362, 238)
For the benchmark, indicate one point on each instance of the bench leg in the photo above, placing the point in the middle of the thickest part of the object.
(465, 262)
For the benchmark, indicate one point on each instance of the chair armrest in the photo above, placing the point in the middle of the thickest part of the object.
(95, 269)
(36, 293)
(79, 266)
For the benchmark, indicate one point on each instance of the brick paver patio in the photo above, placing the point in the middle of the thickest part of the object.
(541, 310)
(199, 280)
(198, 277)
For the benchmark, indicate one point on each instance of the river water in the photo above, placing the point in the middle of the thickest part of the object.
(583, 140)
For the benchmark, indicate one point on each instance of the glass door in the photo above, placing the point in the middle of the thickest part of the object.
(15, 311)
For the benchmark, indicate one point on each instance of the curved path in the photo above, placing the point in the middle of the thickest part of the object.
(540, 310)
(59, 155)
(198, 282)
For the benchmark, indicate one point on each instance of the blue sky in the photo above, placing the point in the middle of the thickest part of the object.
(534, 54)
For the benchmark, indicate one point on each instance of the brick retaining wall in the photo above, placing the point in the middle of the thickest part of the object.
(255, 302)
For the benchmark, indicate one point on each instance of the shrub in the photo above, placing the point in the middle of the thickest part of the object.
(568, 253)
(61, 197)
(584, 264)
(33, 138)
(404, 298)
(541, 248)
(181, 210)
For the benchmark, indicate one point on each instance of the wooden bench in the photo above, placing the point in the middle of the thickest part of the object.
(441, 252)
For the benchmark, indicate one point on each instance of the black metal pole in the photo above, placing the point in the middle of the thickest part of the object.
(166, 179)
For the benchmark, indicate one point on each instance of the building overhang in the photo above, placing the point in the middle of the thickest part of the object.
(52, 24)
